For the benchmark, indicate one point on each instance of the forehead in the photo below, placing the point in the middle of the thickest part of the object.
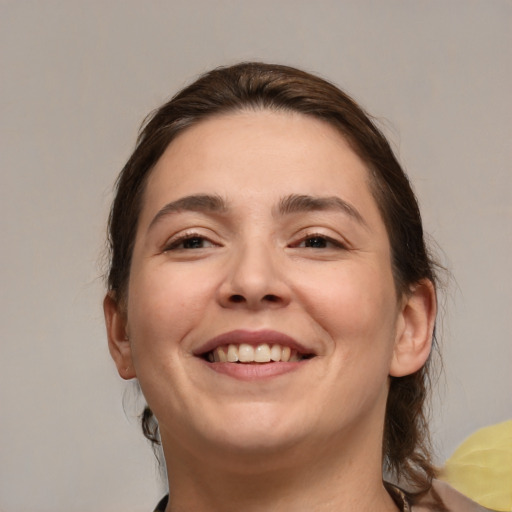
(258, 156)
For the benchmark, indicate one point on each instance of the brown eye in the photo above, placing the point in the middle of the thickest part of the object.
(195, 242)
(316, 242)
(188, 242)
(319, 242)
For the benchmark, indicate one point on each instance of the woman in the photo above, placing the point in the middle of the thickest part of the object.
(271, 291)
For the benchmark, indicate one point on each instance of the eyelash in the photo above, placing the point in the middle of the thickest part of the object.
(327, 239)
(173, 244)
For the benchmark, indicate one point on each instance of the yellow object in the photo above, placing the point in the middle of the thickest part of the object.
(481, 467)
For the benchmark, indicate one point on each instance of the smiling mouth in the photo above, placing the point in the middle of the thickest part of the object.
(261, 353)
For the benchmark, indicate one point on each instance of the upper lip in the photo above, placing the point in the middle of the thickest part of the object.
(254, 338)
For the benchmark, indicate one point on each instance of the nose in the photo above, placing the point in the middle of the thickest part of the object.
(255, 279)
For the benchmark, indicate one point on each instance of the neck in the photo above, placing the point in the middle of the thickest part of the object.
(323, 479)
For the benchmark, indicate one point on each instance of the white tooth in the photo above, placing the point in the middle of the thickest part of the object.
(222, 353)
(285, 354)
(294, 356)
(232, 353)
(216, 356)
(275, 353)
(246, 353)
(210, 357)
(262, 353)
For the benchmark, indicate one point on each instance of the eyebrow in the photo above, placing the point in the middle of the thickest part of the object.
(204, 203)
(296, 203)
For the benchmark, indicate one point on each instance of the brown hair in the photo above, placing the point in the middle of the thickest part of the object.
(406, 447)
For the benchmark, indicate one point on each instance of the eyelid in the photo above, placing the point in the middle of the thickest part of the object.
(338, 242)
(172, 242)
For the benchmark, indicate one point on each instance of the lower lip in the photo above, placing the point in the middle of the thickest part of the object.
(255, 371)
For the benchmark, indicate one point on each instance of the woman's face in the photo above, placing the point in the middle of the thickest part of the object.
(259, 239)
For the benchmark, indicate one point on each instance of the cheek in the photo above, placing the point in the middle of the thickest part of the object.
(352, 302)
(164, 303)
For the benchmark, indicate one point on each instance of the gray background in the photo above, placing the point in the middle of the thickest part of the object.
(77, 79)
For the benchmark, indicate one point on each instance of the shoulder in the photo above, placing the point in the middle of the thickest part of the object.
(453, 500)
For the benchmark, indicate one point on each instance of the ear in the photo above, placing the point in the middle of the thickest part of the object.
(118, 342)
(415, 330)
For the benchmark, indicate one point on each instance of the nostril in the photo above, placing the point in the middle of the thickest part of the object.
(268, 299)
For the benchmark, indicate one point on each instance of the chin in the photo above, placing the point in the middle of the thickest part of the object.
(256, 428)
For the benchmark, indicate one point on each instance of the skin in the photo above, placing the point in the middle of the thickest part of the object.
(307, 439)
